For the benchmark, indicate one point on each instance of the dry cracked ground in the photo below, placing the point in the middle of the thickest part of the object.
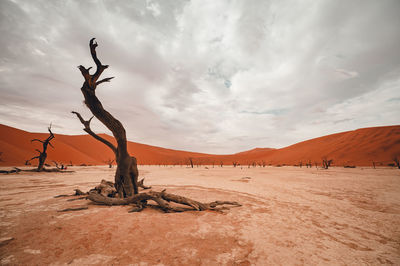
(290, 216)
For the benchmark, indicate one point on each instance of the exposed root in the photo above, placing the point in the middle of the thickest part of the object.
(74, 209)
(62, 195)
(141, 184)
(81, 198)
(105, 194)
(163, 200)
(78, 192)
(13, 171)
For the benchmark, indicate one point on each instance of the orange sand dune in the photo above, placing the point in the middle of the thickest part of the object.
(358, 147)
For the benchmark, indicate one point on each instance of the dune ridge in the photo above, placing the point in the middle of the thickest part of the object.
(359, 147)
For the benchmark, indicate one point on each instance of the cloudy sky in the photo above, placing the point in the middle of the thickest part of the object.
(208, 76)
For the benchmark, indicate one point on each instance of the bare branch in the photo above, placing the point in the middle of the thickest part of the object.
(104, 80)
(85, 73)
(85, 123)
(87, 129)
(32, 140)
(56, 164)
(36, 157)
(99, 67)
(51, 134)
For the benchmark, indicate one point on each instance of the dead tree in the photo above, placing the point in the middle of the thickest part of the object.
(126, 175)
(43, 153)
(326, 163)
(110, 163)
(396, 161)
(191, 162)
(62, 167)
(235, 164)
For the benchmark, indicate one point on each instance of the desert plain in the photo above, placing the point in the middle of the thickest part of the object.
(289, 216)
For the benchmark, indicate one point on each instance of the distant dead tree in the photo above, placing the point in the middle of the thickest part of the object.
(125, 190)
(43, 153)
(221, 163)
(235, 164)
(300, 164)
(373, 164)
(396, 160)
(326, 163)
(110, 163)
(62, 167)
(191, 162)
(264, 163)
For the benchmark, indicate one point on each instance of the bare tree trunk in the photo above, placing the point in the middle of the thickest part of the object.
(127, 172)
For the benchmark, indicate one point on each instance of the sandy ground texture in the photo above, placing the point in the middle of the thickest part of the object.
(290, 216)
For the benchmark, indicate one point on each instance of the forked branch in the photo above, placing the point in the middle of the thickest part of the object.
(87, 129)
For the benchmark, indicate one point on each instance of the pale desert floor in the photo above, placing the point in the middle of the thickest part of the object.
(290, 216)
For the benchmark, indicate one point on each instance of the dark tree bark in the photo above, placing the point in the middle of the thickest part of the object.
(127, 172)
(42, 154)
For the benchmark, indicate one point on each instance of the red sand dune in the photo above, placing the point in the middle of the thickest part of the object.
(358, 147)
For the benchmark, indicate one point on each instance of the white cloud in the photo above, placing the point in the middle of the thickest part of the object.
(210, 76)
